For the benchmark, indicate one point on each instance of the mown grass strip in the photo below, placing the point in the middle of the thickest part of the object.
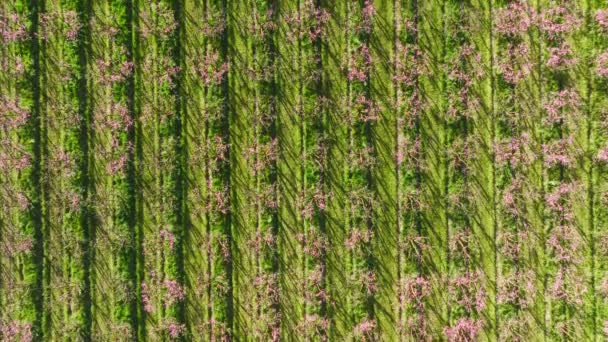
(58, 32)
(159, 138)
(289, 168)
(585, 132)
(197, 247)
(481, 184)
(36, 171)
(334, 87)
(384, 177)
(83, 162)
(150, 170)
(111, 179)
(19, 304)
(241, 111)
(432, 133)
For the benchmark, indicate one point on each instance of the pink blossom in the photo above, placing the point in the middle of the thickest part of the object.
(221, 201)
(224, 248)
(408, 151)
(514, 19)
(315, 277)
(12, 66)
(369, 108)
(211, 71)
(369, 281)
(123, 113)
(12, 113)
(167, 236)
(313, 244)
(414, 289)
(466, 52)
(110, 72)
(12, 28)
(406, 67)
(219, 147)
(126, 68)
(567, 288)
(602, 244)
(459, 244)
(555, 199)
(320, 200)
(558, 152)
(276, 333)
(511, 195)
(321, 17)
(357, 237)
(213, 26)
(16, 331)
(414, 243)
(467, 291)
(565, 243)
(511, 244)
(313, 324)
(22, 201)
(561, 105)
(602, 155)
(368, 13)
(159, 23)
(365, 327)
(20, 244)
(601, 64)
(117, 165)
(465, 330)
(560, 57)
(174, 293)
(515, 65)
(558, 20)
(260, 240)
(601, 16)
(22, 162)
(74, 200)
(517, 289)
(70, 18)
(267, 283)
(175, 330)
(145, 298)
(361, 61)
(50, 22)
(514, 151)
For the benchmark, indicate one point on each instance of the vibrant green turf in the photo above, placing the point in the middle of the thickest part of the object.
(290, 177)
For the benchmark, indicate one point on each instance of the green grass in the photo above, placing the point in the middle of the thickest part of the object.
(197, 234)
(290, 177)
(60, 151)
(19, 269)
(112, 261)
(196, 169)
(241, 97)
(481, 178)
(585, 206)
(334, 88)
(384, 176)
(433, 136)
